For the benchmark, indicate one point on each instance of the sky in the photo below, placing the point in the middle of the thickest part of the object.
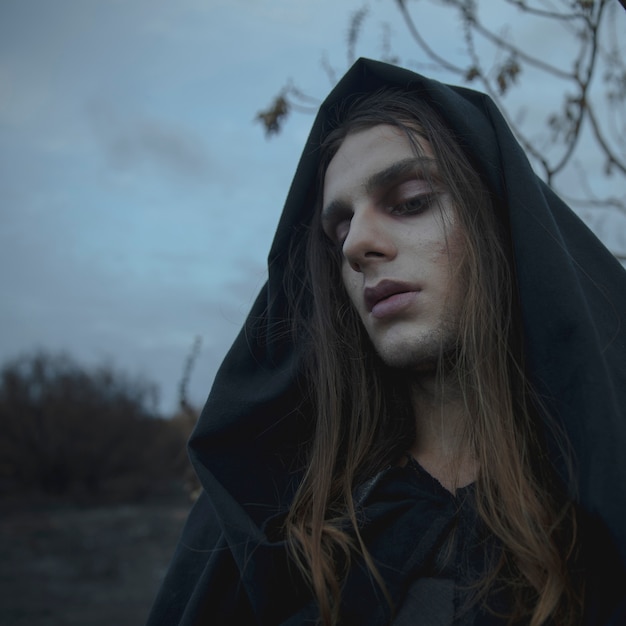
(138, 196)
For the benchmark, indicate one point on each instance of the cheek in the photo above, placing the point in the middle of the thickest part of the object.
(452, 264)
(351, 284)
(448, 253)
(456, 250)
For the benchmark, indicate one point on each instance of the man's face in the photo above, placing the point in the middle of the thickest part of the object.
(401, 244)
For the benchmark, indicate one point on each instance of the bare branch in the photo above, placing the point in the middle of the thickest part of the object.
(613, 160)
(486, 83)
(518, 52)
(444, 63)
(329, 70)
(183, 385)
(593, 79)
(305, 99)
(561, 17)
(591, 199)
(356, 24)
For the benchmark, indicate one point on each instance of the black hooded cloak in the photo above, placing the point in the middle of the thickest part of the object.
(231, 565)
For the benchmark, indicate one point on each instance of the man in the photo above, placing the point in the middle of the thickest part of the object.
(423, 419)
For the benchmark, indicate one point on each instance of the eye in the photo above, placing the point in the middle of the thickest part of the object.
(341, 232)
(413, 206)
(336, 225)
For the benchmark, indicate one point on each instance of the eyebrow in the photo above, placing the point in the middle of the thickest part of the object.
(384, 178)
(399, 170)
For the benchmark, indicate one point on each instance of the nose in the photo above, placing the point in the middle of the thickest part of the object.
(368, 241)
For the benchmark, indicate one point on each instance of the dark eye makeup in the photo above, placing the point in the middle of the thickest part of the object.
(338, 228)
(399, 191)
(415, 205)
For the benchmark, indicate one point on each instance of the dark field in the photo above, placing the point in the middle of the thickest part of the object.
(63, 564)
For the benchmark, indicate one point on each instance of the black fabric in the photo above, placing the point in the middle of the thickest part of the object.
(231, 567)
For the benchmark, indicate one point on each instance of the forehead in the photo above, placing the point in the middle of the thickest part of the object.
(364, 153)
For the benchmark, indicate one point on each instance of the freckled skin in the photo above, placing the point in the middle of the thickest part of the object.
(422, 249)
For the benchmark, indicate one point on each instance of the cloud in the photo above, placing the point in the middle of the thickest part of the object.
(133, 142)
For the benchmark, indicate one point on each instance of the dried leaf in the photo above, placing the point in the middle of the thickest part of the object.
(273, 117)
(472, 74)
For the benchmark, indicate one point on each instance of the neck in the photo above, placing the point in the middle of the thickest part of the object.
(442, 443)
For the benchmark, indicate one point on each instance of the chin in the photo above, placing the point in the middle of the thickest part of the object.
(416, 361)
(422, 354)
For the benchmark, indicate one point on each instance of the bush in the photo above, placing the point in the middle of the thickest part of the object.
(65, 430)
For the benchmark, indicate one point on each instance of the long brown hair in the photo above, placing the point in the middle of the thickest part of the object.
(364, 418)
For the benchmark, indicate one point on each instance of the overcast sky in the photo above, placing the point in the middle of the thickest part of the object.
(138, 196)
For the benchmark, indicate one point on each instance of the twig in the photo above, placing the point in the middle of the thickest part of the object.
(444, 63)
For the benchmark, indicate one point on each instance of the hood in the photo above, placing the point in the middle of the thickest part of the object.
(573, 305)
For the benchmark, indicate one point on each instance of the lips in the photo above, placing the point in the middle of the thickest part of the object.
(385, 289)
